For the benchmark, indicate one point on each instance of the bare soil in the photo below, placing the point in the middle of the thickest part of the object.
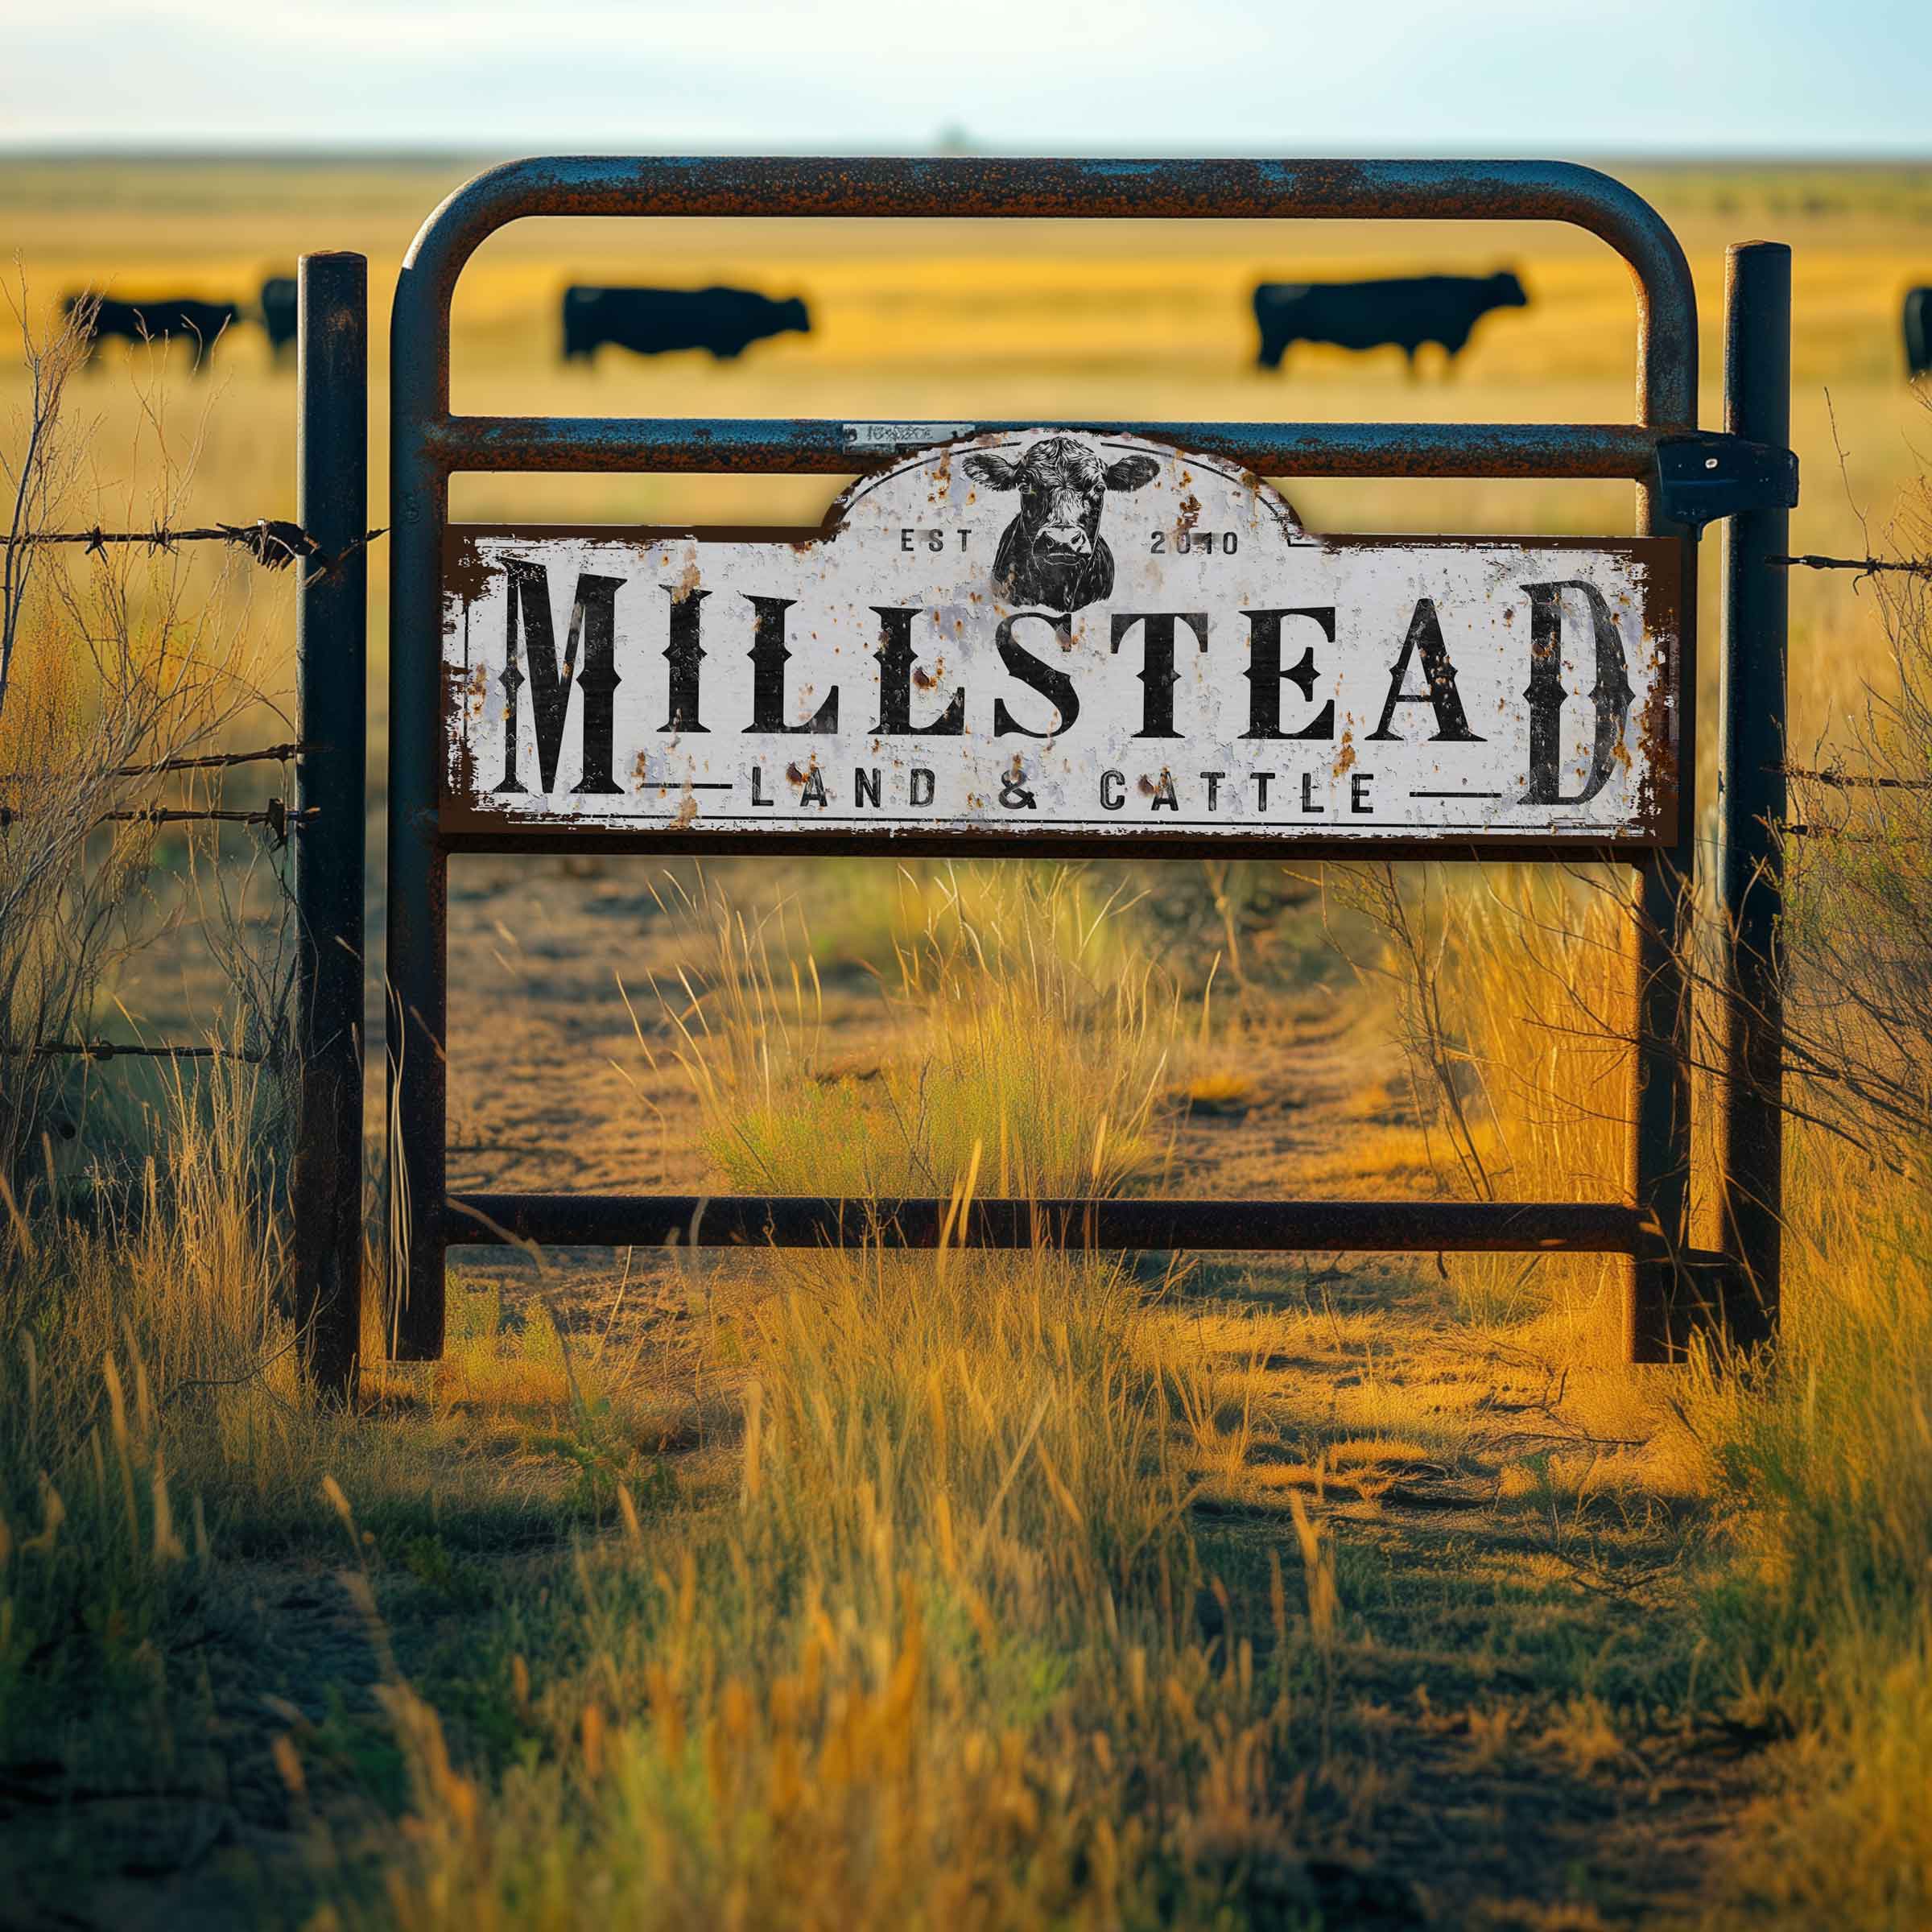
(1504, 1730)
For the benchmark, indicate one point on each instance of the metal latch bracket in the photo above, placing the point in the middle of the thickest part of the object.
(1702, 478)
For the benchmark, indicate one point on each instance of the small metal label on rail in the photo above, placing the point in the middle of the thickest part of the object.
(902, 436)
(1055, 635)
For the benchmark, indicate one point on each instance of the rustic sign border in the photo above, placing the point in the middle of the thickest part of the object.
(1674, 1287)
(466, 828)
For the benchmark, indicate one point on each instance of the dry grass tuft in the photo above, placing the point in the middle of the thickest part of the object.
(1819, 1453)
(1032, 1041)
(936, 1654)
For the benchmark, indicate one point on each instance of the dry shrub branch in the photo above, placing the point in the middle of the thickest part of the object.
(107, 661)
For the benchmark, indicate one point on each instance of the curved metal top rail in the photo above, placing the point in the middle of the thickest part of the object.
(973, 187)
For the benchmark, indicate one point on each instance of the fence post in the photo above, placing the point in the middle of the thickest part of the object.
(1750, 1137)
(332, 648)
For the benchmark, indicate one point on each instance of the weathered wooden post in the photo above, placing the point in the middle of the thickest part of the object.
(1750, 1124)
(332, 646)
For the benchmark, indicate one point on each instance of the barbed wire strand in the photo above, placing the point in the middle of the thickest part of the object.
(1851, 781)
(116, 1050)
(1910, 566)
(277, 817)
(272, 542)
(279, 755)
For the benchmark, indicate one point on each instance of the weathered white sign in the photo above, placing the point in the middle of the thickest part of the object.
(1056, 634)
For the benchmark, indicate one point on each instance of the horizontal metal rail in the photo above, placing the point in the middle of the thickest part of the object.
(695, 445)
(650, 838)
(601, 1220)
(971, 187)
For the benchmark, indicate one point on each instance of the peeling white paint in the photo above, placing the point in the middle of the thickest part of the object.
(1196, 546)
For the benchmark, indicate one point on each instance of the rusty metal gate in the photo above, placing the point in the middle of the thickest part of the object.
(1684, 479)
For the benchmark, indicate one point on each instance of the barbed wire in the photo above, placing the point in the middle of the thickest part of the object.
(276, 544)
(272, 542)
(1849, 780)
(1910, 566)
(212, 761)
(279, 755)
(276, 815)
(117, 1049)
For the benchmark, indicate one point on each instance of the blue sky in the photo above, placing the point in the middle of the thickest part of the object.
(1397, 77)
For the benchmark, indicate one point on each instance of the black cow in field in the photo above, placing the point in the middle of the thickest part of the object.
(279, 315)
(654, 321)
(1407, 311)
(199, 324)
(1918, 334)
(1052, 554)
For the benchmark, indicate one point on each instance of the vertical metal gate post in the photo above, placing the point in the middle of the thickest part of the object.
(1750, 1123)
(1660, 1145)
(417, 1003)
(332, 647)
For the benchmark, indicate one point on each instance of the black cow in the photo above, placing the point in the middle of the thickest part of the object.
(1052, 554)
(654, 321)
(279, 294)
(198, 323)
(1407, 311)
(1918, 334)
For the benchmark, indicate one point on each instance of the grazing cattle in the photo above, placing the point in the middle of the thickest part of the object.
(278, 316)
(199, 324)
(1918, 334)
(655, 321)
(1406, 311)
(1052, 554)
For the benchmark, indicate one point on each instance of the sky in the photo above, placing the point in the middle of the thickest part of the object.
(1136, 76)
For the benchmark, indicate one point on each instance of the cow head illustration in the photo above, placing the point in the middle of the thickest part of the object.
(1052, 554)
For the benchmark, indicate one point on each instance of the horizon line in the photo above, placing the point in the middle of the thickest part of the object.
(197, 150)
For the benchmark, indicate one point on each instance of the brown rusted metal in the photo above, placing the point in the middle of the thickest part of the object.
(1613, 451)
(797, 1221)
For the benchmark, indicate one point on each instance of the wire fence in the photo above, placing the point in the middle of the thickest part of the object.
(272, 542)
(1851, 781)
(213, 760)
(118, 1050)
(275, 815)
(1866, 567)
(276, 545)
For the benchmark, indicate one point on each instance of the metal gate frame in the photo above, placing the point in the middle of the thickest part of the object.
(1677, 1291)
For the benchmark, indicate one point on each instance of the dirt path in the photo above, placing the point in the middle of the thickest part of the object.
(1502, 1715)
(1507, 1703)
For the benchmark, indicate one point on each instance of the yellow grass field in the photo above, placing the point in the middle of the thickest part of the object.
(1074, 320)
(838, 1590)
